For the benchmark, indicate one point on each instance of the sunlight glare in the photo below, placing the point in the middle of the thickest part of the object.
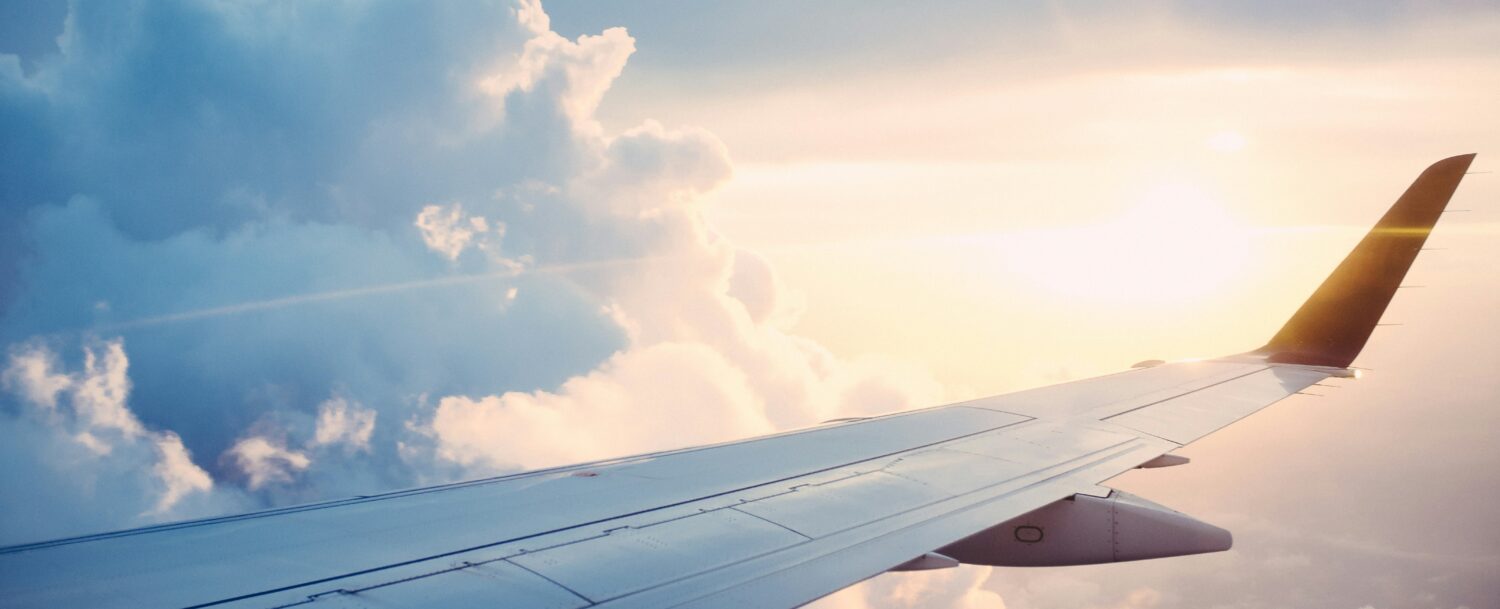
(1226, 141)
(1176, 243)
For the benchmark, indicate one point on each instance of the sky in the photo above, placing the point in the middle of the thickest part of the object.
(259, 254)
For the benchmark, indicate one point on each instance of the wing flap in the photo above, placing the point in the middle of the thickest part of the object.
(460, 585)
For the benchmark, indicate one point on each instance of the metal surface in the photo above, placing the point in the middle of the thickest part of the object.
(1087, 530)
(1331, 328)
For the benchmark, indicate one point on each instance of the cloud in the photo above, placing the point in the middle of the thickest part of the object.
(78, 458)
(575, 74)
(240, 364)
(448, 231)
(178, 473)
(30, 374)
(340, 422)
(356, 247)
(649, 170)
(99, 394)
(621, 408)
(265, 461)
(960, 588)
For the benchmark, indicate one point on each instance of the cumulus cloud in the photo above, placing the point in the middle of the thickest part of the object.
(76, 454)
(96, 395)
(448, 231)
(99, 393)
(574, 73)
(273, 207)
(178, 473)
(639, 400)
(650, 169)
(30, 374)
(265, 461)
(340, 422)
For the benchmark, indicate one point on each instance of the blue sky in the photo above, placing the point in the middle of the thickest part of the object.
(253, 255)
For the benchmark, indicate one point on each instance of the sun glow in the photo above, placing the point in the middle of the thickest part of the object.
(1226, 141)
(1175, 243)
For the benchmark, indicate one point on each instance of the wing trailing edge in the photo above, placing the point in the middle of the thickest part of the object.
(1333, 325)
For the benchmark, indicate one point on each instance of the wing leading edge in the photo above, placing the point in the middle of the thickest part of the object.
(767, 522)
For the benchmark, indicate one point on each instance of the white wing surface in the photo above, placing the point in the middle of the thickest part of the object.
(775, 521)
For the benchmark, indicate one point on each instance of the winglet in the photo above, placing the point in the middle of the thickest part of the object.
(1333, 325)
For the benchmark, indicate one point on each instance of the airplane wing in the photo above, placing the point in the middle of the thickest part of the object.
(775, 521)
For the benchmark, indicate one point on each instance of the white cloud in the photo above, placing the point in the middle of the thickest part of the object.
(177, 472)
(93, 443)
(583, 70)
(650, 169)
(99, 395)
(340, 422)
(320, 240)
(707, 355)
(84, 421)
(30, 374)
(626, 406)
(266, 461)
(959, 588)
(531, 14)
(448, 230)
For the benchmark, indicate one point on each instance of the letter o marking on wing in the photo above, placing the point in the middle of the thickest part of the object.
(1028, 534)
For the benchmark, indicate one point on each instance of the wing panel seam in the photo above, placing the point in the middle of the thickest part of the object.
(599, 521)
(1209, 386)
(804, 536)
(1122, 447)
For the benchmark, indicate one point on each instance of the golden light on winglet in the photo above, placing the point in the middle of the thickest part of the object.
(1403, 231)
(1331, 328)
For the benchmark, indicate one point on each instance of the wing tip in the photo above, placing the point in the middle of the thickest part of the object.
(1458, 161)
(1332, 326)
